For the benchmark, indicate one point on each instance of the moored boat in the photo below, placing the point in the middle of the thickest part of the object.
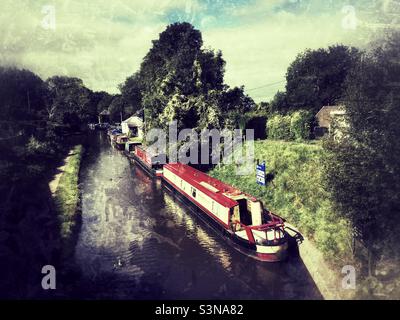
(113, 134)
(241, 217)
(144, 159)
(120, 141)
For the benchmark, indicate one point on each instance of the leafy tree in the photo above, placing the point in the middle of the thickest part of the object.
(210, 69)
(235, 100)
(132, 93)
(362, 168)
(68, 95)
(176, 69)
(104, 102)
(316, 78)
(263, 108)
(21, 100)
(118, 109)
(279, 103)
(99, 101)
(234, 104)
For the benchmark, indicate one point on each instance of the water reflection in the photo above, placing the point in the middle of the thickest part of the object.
(196, 231)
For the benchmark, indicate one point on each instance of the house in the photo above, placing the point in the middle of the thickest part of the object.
(133, 128)
(331, 120)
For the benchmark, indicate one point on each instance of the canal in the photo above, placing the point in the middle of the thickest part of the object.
(138, 242)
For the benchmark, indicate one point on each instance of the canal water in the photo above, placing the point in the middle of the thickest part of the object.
(139, 242)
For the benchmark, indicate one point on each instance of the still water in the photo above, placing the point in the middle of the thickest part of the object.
(137, 241)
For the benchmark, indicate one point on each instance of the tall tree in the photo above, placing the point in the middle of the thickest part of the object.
(21, 95)
(176, 65)
(234, 104)
(316, 77)
(119, 109)
(68, 100)
(131, 93)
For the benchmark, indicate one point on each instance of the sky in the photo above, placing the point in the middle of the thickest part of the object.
(103, 42)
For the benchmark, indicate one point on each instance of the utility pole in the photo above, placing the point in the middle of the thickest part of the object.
(29, 101)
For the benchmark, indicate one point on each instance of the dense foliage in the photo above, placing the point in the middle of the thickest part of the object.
(180, 80)
(363, 168)
(316, 78)
(293, 126)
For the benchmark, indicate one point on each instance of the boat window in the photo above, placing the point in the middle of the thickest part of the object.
(193, 192)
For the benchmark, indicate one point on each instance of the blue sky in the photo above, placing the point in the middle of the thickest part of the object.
(104, 41)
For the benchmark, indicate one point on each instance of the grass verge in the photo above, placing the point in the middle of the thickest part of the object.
(67, 198)
(295, 191)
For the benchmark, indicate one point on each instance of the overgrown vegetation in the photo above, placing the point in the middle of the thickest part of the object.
(363, 168)
(292, 126)
(295, 191)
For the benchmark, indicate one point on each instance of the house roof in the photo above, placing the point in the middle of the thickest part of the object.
(134, 120)
(329, 109)
(326, 114)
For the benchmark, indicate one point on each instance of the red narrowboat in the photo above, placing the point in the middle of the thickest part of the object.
(144, 159)
(241, 217)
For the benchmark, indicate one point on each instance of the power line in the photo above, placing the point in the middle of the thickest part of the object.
(266, 85)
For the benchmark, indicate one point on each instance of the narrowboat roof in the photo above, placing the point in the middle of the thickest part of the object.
(212, 187)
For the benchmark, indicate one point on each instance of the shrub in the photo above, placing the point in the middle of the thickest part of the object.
(294, 126)
(278, 127)
(300, 124)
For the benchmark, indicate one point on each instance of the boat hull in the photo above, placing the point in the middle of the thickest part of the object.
(150, 171)
(120, 146)
(276, 253)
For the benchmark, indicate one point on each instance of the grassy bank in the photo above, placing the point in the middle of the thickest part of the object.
(67, 197)
(294, 191)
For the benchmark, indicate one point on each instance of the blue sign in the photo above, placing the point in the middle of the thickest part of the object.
(260, 174)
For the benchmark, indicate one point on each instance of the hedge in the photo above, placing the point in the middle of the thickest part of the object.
(294, 126)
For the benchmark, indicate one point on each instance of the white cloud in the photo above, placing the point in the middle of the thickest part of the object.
(101, 42)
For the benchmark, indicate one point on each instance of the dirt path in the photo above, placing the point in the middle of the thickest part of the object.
(53, 184)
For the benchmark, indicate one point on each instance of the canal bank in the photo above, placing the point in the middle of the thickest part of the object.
(65, 191)
(138, 241)
(294, 190)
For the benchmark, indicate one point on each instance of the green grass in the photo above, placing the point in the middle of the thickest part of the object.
(67, 195)
(296, 193)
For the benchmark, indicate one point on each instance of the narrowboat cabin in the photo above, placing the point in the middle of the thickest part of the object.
(144, 159)
(120, 141)
(242, 218)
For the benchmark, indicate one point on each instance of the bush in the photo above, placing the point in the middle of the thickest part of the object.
(300, 124)
(294, 126)
(278, 127)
